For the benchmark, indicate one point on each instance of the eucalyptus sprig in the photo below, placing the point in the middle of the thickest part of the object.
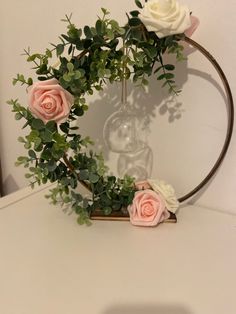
(87, 59)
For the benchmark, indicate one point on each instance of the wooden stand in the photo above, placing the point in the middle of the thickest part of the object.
(121, 216)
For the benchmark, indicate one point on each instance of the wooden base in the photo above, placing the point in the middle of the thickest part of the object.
(121, 216)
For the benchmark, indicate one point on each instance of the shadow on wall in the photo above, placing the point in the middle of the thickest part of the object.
(109, 101)
(140, 163)
(148, 309)
(9, 184)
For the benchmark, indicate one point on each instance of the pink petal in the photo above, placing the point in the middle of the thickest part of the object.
(194, 25)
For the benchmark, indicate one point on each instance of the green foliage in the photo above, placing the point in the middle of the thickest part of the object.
(88, 58)
(138, 3)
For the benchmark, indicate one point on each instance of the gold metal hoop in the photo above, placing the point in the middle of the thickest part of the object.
(230, 115)
(99, 215)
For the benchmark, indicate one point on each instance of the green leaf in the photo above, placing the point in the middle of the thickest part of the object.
(84, 174)
(78, 111)
(42, 69)
(21, 139)
(93, 178)
(138, 3)
(81, 220)
(51, 126)
(30, 81)
(78, 197)
(48, 53)
(46, 136)
(169, 67)
(67, 77)
(27, 146)
(70, 49)
(70, 66)
(33, 57)
(105, 11)
(87, 32)
(116, 205)
(38, 146)
(121, 31)
(73, 183)
(134, 21)
(106, 201)
(51, 165)
(77, 75)
(134, 13)
(32, 154)
(28, 175)
(59, 49)
(46, 154)
(65, 127)
(18, 116)
(161, 77)
(99, 27)
(110, 34)
(114, 24)
(107, 210)
(169, 76)
(21, 160)
(37, 124)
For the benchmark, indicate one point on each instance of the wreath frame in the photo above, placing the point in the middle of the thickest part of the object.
(153, 48)
(98, 215)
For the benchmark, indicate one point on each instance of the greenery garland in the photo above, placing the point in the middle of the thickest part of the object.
(89, 58)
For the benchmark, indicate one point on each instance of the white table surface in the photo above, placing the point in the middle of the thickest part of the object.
(51, 265)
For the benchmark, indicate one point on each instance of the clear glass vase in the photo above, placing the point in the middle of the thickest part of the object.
(120, 131)
(137, 164)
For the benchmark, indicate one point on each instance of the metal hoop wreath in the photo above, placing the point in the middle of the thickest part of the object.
(98, 214)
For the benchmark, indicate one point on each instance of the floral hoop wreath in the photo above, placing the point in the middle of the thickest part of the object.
(88, 59)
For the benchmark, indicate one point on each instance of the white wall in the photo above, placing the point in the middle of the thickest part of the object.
(183, 149)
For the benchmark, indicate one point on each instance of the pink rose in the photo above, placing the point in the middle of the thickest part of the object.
(49, 101)
(148, 209)
(194, 25)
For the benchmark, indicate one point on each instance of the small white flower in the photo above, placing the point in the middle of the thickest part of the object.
(165, 17)
(167, 192)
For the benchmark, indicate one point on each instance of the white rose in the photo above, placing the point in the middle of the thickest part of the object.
(165, 17)
(167, 192)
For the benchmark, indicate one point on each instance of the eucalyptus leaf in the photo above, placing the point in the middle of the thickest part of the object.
(139, 4)
(59, 49)
(18, 116)
(51, 165)
(134, 13)
(87, 32)
(134, 21)
(99, 27)
(107, 210)
(169, 67)
(32, 154)
(37, 124)
(84, 174)
(93, 178)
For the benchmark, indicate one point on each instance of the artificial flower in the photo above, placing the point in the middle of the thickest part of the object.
(49, 101)
(194, 25)
(167, 192)
(165, 17)
(147, 209)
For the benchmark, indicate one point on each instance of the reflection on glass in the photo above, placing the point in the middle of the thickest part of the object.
(137, 164)
(120, 131)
